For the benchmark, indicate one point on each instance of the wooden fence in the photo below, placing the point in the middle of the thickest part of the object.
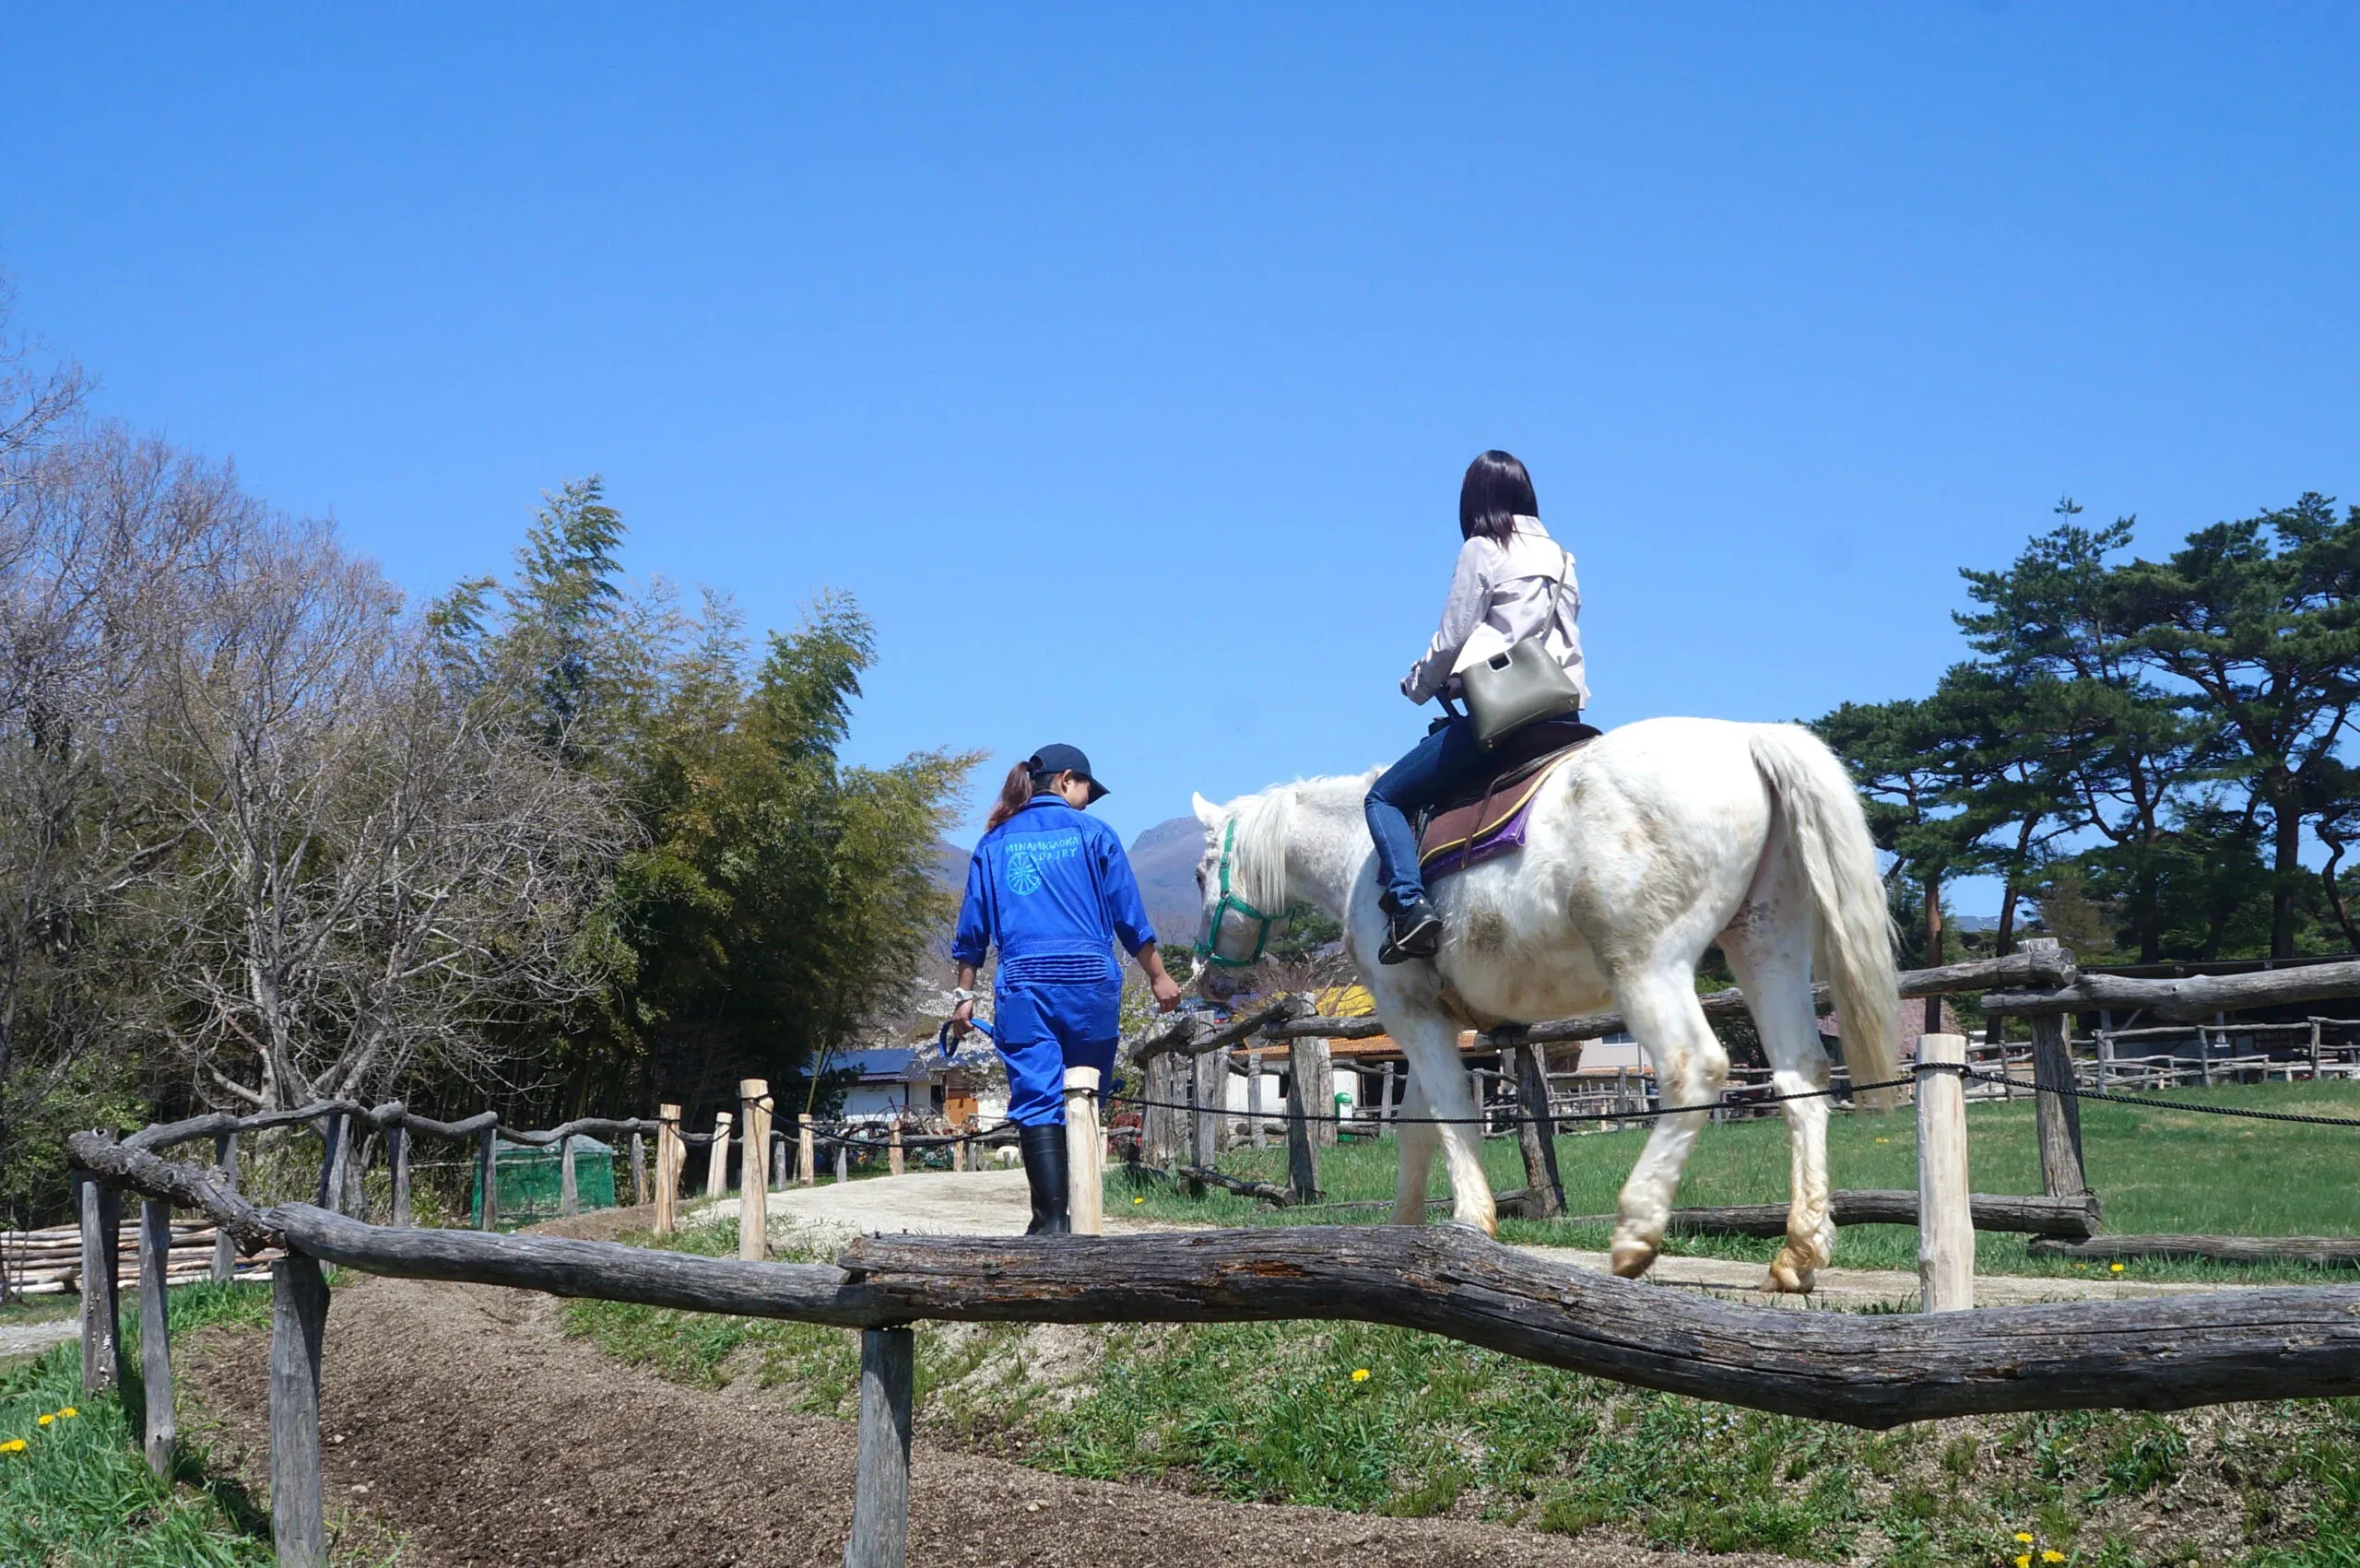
(1871, 1370)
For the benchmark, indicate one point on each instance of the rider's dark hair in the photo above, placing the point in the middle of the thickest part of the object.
(1495, 492)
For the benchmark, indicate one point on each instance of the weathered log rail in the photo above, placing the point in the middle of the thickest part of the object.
(1875, 1371)
(2194, 997)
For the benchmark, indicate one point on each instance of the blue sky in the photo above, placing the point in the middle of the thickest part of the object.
(1123, 363)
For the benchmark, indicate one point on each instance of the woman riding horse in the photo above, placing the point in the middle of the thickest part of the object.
(1513, 583)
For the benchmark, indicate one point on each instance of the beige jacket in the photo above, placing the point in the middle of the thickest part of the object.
(1500, 594)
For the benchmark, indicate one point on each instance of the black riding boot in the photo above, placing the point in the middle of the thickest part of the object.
(1044, 1172)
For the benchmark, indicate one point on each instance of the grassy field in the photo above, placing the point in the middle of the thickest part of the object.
(2156, 1169)
(74, 1489)
(1389, 1421)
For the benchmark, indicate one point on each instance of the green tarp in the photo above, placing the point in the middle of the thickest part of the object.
(532, 1181)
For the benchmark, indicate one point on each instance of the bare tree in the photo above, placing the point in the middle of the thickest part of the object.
(98, 540)
(375, 869)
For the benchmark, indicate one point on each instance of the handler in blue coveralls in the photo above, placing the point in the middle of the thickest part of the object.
(1053, 890)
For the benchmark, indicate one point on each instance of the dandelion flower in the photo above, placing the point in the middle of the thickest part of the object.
(2114, 1269)
(1884, 1140)
(1138, 1200)
(2023, 1560)
(2024, 1535)
(68, 1413)
(44, 1420)
(14, 1446)
(2052, 1555)
(1360, 1374)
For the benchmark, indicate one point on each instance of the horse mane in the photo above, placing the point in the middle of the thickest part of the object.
(1265, 832)
(1257, 864)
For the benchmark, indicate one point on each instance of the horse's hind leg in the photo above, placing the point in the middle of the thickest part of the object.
(1691, 1067)
(1419, 1139)
(1771, 958)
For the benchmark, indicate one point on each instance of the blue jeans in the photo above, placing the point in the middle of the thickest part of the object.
(1444, 761)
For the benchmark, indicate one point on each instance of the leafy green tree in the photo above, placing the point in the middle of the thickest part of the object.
(2010, 766)
(2053, 627)
(778, 902)
(2259, 619)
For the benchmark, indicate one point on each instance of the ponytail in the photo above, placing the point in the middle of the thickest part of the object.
(1015, 795)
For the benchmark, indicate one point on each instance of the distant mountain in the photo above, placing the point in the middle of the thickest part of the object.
(1164, 859)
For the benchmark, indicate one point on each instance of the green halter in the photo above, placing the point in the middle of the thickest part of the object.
(1209, 949)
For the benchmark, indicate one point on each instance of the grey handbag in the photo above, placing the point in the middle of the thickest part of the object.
(1520, 684)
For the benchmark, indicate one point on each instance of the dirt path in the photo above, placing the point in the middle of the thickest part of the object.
(993, 1203)
(462, 1417)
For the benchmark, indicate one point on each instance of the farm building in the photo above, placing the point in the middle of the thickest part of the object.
(904, 1082)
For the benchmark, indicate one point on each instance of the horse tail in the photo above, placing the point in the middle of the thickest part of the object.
(1830, 833)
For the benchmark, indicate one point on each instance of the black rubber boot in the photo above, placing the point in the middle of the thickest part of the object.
(1415, 931)
(1044, 1172)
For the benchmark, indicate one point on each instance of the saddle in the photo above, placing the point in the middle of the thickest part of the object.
(1488, 820)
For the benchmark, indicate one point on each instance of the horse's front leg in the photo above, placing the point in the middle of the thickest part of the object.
(1431, 1045)
(1690, 1068)
(1417, 1139)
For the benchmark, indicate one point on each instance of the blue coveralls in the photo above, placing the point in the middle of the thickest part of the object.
(1053, 890)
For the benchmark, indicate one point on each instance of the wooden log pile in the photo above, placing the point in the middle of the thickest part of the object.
(49, 1262)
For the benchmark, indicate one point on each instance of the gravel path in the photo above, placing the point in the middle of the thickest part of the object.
(462, 1418)
(33, 1339)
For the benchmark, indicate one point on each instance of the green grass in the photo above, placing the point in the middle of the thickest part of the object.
(79, 1492)
(1282, 1412)
(2156, 1171)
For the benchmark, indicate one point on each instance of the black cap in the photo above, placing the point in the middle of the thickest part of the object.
(1051, 760)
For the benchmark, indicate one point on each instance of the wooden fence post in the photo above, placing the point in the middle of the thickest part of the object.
(155, 1337)
(717, 1168)
(225, 1249)
(806, 1167)
(1302, 1166)
(2315, 1050)
(569, 1194)
(1385, 1101)
(2058, 1117)
(1538, 1131)
(102, 1323)
(1085, 1154)
(1945, 1220)
(670, 1155)
(880, 1505)
(488, 1177)
(1193, 1129)
(2057, 1114)
(844, 1159)
(638, 1169)
(298, 1312)
(331, 1192)
(1254, 1097)
(1209, 1083)
(754, 1193)
(398, 1156)
(893, 1149)
(1329, 1127)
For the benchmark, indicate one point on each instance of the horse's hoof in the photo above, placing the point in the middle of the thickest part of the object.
(1631, 1260)
(1790, 1275)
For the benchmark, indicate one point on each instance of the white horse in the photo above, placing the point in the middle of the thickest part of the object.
(1648, 845)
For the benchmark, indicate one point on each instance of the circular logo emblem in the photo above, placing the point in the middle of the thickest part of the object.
(1023, 876)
